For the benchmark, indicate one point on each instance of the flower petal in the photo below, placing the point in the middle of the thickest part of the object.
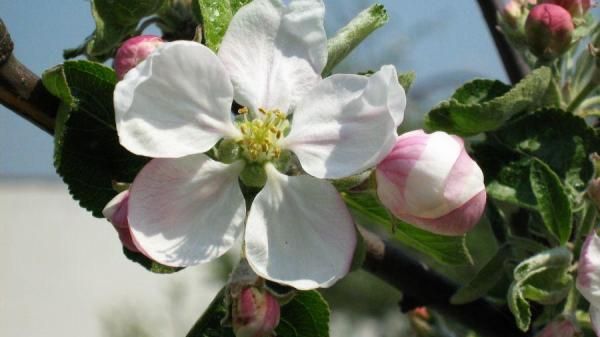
(346, 124)
(186, 211)
(275, 54)
(588, 270)
(299, 232)
(175, 103)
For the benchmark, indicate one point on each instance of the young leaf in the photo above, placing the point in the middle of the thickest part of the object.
(87, 153)
(351, 35)
(485, 279)
(553, 202)
(307, 315)
(519, 307)
(406, 80)
(216, 16)
(444, 249)
(484, 105)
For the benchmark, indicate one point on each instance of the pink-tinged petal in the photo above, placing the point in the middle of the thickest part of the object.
(186, 211)
(275, 54)
(588, 270)
(175, 103)
(299, 232)
(430, 181)
(346, 124)
(116, 212)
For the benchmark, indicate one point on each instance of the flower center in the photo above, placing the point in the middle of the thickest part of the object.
(260, 141)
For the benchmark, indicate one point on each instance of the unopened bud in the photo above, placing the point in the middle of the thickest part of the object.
(255, 313)
(116, 213)
(430, 181)
(574, 7)
(511, 13)
(549, 30)
(561, 328)
(134, 51)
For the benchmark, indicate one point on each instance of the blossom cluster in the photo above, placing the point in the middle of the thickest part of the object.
(263, 171)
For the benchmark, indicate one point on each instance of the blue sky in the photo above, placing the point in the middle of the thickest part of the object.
(445, 42)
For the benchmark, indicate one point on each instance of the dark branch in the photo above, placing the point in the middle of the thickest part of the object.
(515, 66)
(21, 90)
(425, 287)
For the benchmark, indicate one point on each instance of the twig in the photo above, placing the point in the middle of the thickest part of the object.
(425, 287)
(21, 90)
(515, 66)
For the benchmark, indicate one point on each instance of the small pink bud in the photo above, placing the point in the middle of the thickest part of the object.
(549, 29)
(255, 313)
(430, 181)
(560, 328)
(575, 7)
(133, 51)
(116, 213)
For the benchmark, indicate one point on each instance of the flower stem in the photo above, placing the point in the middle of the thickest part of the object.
(588, 220)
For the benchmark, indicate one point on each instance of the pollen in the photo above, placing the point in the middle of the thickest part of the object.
(260, 136)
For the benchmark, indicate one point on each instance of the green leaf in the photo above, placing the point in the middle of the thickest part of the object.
(115, 20)
(553, 202)
(87, 153)
(444, 249)
(306, 315)
(150, 265)
(543, 278)
(484, 105)
(216, 16)
(406, 80)
(209, 324)
(512, 185)
(519, 308)
(351, 35)
(486, 279)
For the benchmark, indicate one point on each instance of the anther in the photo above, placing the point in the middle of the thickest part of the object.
(243, 110)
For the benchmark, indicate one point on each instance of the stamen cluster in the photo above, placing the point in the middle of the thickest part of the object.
(261, 135)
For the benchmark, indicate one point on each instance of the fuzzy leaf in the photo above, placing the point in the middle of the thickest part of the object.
(450, 250)
(307, 315)
(552, 200)
(87, 153)
(484, 105)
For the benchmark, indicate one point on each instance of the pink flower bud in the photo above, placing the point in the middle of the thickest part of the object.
(549, 29)
(255, 313)
(116, 213)
(575, 7)
(134, 51)
(560, 328)
(430, 181)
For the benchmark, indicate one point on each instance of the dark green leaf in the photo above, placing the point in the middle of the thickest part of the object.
(307, 315)
(87, 153)
(445, 249)
(150, 265)
(485, 279)
(115, 20)
(519, 307)
(209, 324)
(406, 80)
(512, 185)
(484, 105)
(553, 202)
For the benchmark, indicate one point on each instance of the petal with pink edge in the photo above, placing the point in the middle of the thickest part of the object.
(344, 125)
(186, 211)
(299, 232)
(588, 270)
(175, 103)
(275, 54)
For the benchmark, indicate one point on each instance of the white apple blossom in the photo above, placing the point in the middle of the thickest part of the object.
(588, 277)
(186, 208)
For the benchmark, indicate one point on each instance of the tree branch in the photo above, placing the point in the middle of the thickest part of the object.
(514, 65)
(422, 286)
(21, 90)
